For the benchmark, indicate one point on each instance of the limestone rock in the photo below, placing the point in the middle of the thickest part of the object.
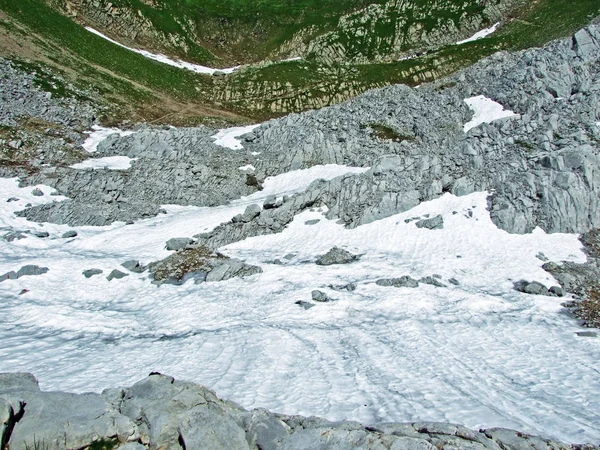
(336, 256)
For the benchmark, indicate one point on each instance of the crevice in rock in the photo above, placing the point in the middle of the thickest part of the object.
(181, 441)
(13, 419)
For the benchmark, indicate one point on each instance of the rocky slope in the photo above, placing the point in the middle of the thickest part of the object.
(540, 165)
(161, 412)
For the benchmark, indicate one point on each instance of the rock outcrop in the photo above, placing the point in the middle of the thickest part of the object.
(161, 412)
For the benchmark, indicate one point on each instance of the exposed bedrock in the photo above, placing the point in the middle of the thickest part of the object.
(161, 412)
(542, 167)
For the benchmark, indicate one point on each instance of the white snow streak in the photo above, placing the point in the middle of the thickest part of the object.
(109, 162)
(485, 111)
(480, 34)
(166, 60)
(226, 137)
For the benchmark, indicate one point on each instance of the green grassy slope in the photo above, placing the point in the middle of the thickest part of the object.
(152, 89)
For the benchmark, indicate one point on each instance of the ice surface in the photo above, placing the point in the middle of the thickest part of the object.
(226, 137)
(479, 353)
(485, 110)
(99, 134)
(480, 34)
(109, 162)
(166, 60)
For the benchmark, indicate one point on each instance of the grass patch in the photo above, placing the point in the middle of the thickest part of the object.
(387, 133)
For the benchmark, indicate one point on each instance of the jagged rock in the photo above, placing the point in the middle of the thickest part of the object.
(534, 287)
(403, 281)
(133, 265)
(305, 305)
(312, 222)
(201, 264)
(557, 290)
(336, 256)
(30, 270)
(270, 202)
(161, 412)
(91, 272)
(178, 243)
(69, 234)
(41, 234)
(37, 192)
(251, 212)
(230, 268)
(454, 281)
(12, 199)
(350, 287)
(12, 275)
(13, 235)
(435, 223)
(116, 274)
(320, 296)
(433, 281)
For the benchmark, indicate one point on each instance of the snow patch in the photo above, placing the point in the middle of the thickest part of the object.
(109, 162)
(226, 137)
(99, 134)
(247, 168)
(485, 110)
(480, 34)
(165, 59)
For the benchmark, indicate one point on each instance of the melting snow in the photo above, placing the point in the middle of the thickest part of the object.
(485, 111)
(480, 34)
(99, 134)
(109, 162)
(166, 60)
(226, 137)
(478, 353)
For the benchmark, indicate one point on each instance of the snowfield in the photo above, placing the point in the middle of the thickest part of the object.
(478, 353)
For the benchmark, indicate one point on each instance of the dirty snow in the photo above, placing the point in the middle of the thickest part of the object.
(227, 137)
(98, 134)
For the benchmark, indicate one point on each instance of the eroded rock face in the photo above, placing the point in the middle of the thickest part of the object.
(161, 412)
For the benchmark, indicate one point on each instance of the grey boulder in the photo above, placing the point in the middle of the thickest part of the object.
(116, 274)
(435, 223)
(336, 256)
(178, 243)
(91, 272)
(403, 281)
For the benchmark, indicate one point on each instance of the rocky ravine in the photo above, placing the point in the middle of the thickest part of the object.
(160, 412)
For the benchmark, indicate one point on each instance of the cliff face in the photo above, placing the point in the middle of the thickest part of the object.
(356, 33)
(161, 412)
